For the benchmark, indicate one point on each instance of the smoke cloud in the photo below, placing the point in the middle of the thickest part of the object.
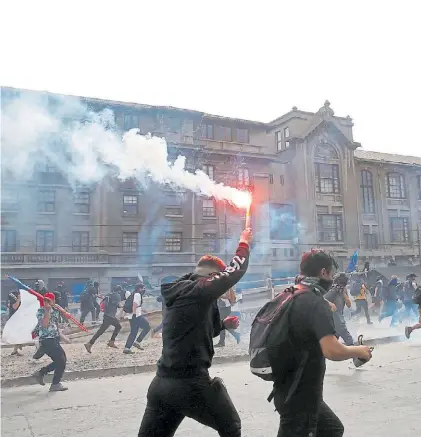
(86, 146)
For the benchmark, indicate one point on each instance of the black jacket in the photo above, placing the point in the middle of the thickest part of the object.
(192, 318)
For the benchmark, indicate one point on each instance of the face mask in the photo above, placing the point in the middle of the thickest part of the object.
(325, 283)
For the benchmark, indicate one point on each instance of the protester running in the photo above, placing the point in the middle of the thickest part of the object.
(133, 307)
(297, 365)
(417, 301)
(390, 297)
(225, 302)
(111, 304)
(182, 386)
(13, 304)
(339, 296)
(49, 336)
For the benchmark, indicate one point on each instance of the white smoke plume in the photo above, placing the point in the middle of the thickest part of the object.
(85, 146)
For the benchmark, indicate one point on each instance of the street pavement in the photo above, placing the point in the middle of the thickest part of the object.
(382, 398)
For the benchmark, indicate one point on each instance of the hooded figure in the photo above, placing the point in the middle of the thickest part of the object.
(182, 386)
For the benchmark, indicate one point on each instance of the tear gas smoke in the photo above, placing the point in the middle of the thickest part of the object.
(85, 146)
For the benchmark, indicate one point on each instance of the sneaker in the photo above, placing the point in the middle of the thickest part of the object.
(369, 323)
(137, 345)
(112, 344)
(58, 387)
(88, 347)
(219, 345)
(127, 351)
(39, 377)
(408, 331)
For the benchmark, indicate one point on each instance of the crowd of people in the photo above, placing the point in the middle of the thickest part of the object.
(290, 340)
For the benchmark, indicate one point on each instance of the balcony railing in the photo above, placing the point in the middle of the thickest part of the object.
(54, 258)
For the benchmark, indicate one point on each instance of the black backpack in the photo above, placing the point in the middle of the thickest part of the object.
(128, 304)
(271, 349)
(416, 298)
(84, 296)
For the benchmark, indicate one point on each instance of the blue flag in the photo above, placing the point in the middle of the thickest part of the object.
(353, 262)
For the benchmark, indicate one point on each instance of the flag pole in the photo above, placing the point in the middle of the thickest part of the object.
(40, 297)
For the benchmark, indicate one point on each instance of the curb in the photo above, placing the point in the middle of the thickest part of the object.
(108, 373)
(133, 370)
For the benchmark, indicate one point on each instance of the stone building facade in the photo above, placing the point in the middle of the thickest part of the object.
(312, 185)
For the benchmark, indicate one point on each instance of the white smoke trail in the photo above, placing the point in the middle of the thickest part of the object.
(85, 147)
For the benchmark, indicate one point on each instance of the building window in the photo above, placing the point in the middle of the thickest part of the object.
(242, 135)
(286, 132)
(278, 137)
(371, 239)
(210, 242)
(281, 179)
(330, 227)
(286, 144)
(9, 199)
(206, 131)
(419, 187)
(130, 242)
(173, 242)
(46, 201)
(8, 240)
(399, 229)
(131, 121)
(327, 178)
(243, 176)
(367, 192)
(208, 208)
(130, 204)
(271, 179)
(46, 167)
(80, 241)
(174, 211)
(395, 185)
(209, 170)
(82, 202)
(45, 241)
(223, 133)
(326, 151)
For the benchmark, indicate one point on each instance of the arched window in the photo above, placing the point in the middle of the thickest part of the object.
(326, 151)
(367, 192)
(327, 169)
(395, 186)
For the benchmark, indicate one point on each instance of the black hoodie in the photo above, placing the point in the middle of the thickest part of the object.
(192, 318)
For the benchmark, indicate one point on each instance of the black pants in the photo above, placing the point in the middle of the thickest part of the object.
(341, 328)
(97, 308)
(52, 347)
(85, 310)
(361, 304)
(201, 398)
(137, 323)
(325, 423)
(106, 323)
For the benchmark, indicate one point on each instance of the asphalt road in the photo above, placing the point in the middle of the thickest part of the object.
(382, 398)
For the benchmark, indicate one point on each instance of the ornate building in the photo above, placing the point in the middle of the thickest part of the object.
(312, 186)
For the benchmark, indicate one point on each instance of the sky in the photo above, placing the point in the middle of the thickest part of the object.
(244, 59)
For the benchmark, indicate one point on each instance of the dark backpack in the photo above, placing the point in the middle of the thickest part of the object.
(416, 298)
(128, 305)
(355, 288)
(84, 296)
(271, 349)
